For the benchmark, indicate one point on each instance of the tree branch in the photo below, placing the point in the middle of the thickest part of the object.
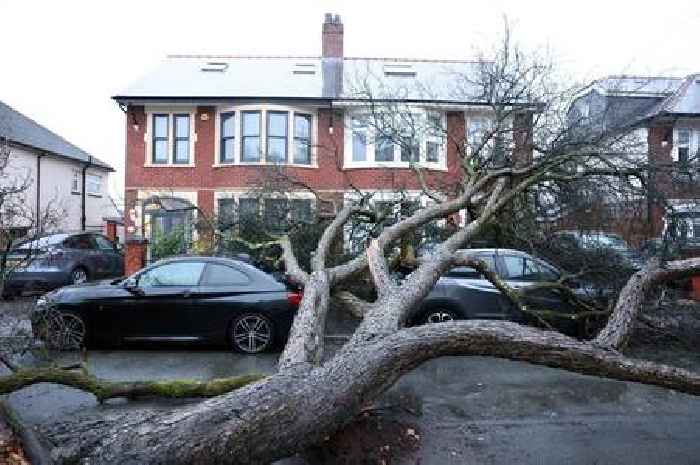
(632, 297)
(103, 390)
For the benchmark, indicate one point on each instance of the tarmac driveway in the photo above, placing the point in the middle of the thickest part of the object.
(467, 409)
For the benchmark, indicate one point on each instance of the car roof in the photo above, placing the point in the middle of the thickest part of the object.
(209, 259)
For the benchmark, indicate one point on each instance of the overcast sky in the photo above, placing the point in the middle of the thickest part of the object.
(63, 60)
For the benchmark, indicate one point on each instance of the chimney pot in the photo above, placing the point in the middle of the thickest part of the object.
(332, 37)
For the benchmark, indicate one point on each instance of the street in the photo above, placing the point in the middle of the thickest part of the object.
(465, 409)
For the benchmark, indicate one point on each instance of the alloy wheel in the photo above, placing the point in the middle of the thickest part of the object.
(252, 334)
(78, 276)
(439, 316)
(66, 332)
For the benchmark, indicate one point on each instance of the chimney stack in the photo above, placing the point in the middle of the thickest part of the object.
(332, 37)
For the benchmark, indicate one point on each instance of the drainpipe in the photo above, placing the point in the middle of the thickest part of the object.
(82, 206)
(39, 224)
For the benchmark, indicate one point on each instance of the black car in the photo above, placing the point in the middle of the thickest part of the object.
(182, 300)
(464, 293)
(49, 262)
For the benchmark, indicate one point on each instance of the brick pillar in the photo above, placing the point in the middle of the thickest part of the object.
(111, 230)
(522, 138)
(660, 141)
(135, 255)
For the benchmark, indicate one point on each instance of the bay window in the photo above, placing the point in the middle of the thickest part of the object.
(228, 138)
(383, 148)
(410, 150)
(276, 215)
(302, 139)
(276, 137)
(259, 134)
(250, 148)
(300, 211)
(359, 140)
(370, 145)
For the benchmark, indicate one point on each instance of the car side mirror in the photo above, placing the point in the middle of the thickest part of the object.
(132, 285)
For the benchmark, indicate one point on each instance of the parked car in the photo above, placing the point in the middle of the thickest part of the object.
(52, 261)
(179, 300)
(464, 293)
(608, 242)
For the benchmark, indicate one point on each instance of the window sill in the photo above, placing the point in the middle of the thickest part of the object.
(252, 163)
(390, 165)
(75, 192)
(94, 195)
(168, 165)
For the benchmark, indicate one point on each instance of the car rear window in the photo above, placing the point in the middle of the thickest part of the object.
(471, 273)
(223, 275)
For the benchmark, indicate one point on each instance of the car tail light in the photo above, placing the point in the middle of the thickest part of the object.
(294, 298)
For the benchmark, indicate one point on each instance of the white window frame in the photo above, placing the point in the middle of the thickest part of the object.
(148, 135)
(88, 189)
(246, 194)
(238, 110)
(76, 187)
(693, 142)
(370, 162)
(382, 196)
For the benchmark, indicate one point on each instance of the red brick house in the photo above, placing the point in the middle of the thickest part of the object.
(665, 112)
(205, 128)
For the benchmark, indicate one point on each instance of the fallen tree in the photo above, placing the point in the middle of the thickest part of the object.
(313, 394)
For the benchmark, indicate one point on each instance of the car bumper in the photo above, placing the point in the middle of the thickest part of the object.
(45, 280)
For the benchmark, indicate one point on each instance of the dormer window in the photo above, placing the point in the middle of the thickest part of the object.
(214, 66)
(400, 70)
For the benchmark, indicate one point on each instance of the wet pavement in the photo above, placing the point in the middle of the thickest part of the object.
(466, 409)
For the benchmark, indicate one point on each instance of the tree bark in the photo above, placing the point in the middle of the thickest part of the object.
(629, 304)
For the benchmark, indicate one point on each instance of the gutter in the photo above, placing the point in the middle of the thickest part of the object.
(215, 99)
(82, 206)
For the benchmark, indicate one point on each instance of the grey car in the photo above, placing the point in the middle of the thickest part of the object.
(463, 293)
(52, 261)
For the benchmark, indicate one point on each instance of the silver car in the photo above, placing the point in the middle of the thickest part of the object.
(463, 292)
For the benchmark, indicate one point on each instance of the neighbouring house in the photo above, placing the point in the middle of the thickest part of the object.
(64, 182)
(203, 131)
(665, 113)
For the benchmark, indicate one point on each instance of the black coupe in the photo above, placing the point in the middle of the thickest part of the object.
(186, 300)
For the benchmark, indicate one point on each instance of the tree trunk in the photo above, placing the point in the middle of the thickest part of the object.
(292, 410)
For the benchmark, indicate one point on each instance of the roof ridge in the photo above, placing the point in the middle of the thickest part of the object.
(631, 76)
(42, 126)
(312, 57)
(225, 56)
(51, 132)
